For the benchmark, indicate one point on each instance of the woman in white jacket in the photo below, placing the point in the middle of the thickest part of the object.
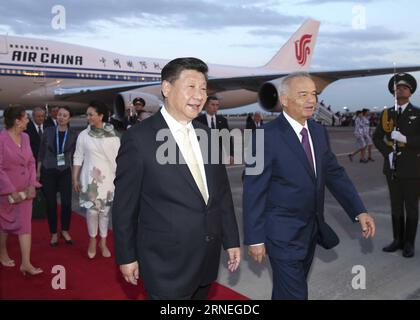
(94, 168)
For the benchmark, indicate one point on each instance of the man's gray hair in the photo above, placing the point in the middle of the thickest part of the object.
(38, 109)
(285, 83)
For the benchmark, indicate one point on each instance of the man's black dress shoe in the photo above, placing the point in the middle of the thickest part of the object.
(394, 246)
(408, 251)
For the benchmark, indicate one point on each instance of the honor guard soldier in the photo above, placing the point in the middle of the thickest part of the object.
(397, 137)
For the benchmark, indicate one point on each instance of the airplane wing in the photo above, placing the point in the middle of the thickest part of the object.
(322, 79)
(251, 83)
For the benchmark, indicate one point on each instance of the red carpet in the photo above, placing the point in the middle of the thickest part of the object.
(85, 279)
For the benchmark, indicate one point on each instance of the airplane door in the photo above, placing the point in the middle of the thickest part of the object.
(3, 44)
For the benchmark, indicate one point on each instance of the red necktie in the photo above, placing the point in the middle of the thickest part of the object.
(307, 147)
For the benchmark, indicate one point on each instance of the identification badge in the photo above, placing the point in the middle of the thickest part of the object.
(60, 160)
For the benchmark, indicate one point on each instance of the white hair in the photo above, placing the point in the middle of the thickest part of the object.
(285, 83)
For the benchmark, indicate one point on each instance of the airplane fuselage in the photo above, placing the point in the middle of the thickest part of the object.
(31, 70)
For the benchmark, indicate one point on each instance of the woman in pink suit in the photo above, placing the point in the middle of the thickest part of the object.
(17, 187)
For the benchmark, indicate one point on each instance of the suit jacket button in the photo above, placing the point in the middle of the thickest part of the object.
(208, 238)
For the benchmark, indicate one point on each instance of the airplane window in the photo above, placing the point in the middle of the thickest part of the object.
(46, 49)
(32, 48)
(36, 48)
(42, 48)
(11, 46)
(21, 47)
(16, 46)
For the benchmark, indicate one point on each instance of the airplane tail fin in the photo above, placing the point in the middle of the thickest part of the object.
(296, 53)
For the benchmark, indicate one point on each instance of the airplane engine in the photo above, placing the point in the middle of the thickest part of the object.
(124, 100)
(268, 95)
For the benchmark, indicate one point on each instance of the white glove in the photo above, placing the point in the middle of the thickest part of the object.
(396, 135)
(391, 162)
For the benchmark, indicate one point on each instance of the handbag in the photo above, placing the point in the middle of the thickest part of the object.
(22, 195)
(327, 238)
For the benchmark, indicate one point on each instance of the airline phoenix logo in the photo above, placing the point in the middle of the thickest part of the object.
(302, 49)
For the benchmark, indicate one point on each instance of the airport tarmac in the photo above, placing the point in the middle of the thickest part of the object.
(388, 275)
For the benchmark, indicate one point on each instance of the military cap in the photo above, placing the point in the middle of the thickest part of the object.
(139, 100)
(403, 79)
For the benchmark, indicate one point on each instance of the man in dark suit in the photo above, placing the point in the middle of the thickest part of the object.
(215, 121)
(51, 121)
(283, 206)
(397, 137)
(35, 129)
(256, 122)
(171, 219)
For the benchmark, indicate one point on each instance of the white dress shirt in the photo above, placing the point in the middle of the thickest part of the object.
(37, 127)
(175, 128)
(403, 107)
(209, 117)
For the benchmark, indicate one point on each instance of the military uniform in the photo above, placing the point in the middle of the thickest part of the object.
(404, 180)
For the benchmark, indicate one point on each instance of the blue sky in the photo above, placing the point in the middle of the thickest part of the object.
(240, 32)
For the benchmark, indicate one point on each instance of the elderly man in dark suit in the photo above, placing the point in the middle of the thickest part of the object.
(256, 122)
(35, 129)
(283, 206)
(170, 220)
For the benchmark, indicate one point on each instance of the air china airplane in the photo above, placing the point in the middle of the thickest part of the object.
(38, 72)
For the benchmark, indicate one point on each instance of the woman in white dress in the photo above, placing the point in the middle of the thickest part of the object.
(94, 172)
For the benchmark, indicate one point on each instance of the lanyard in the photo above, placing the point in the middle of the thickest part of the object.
(59, 151)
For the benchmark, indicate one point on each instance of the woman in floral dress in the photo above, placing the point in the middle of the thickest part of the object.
(94, 172)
